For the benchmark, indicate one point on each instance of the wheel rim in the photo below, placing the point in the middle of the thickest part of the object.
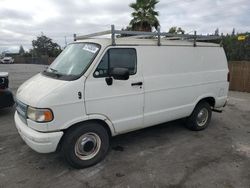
(202, 117)
(87, 146)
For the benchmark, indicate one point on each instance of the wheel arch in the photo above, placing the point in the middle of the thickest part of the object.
(210, 99)
(103, 121)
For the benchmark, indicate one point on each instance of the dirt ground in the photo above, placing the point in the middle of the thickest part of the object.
(166, 155)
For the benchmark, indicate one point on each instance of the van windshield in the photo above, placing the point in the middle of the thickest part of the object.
(73, 61)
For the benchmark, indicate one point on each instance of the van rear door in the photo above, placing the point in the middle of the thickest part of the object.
(122, 101)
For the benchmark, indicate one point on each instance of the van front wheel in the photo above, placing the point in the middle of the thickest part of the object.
(200, 117)
(85, 145)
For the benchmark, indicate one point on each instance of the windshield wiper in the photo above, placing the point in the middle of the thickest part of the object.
(54, 71)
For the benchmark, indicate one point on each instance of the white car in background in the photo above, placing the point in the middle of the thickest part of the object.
(7, 60)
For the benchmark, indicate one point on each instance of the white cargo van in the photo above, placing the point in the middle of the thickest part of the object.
(99, 88)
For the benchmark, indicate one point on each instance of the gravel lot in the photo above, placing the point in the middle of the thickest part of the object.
(167, 155)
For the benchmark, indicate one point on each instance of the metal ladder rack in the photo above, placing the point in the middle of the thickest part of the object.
(156, 34)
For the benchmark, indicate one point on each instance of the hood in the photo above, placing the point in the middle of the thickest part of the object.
(36, 88)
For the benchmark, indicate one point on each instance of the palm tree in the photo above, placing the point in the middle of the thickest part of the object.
(144, 15)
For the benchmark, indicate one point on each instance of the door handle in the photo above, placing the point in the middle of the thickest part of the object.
(136, 84)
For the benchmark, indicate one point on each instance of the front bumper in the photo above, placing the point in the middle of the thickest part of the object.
(40, 142)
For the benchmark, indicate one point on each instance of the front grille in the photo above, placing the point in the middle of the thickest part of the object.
(21, 109)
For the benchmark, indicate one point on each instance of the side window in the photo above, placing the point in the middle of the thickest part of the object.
(117, 58)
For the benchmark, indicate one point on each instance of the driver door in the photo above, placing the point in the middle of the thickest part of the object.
(122, 101)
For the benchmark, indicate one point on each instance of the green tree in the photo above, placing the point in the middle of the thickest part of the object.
(44, 46)
(175, 30)
(21, 50)
(144, 15)
(237, 50)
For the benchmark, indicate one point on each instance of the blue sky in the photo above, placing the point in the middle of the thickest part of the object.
(21, 21)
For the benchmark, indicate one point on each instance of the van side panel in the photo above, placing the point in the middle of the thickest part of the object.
(177, 77)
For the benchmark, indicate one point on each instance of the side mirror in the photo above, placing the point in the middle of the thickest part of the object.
(120, 73)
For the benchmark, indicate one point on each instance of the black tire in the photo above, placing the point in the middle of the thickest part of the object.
(74, 137)
(193, 122)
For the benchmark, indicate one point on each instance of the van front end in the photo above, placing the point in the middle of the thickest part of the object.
(32, 123)
(44, 108)
(53, 100)
(51, 109)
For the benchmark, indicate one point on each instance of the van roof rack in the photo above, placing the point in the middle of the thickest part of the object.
(143, 34)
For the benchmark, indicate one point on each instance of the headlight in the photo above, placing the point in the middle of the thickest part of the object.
(40, 114)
